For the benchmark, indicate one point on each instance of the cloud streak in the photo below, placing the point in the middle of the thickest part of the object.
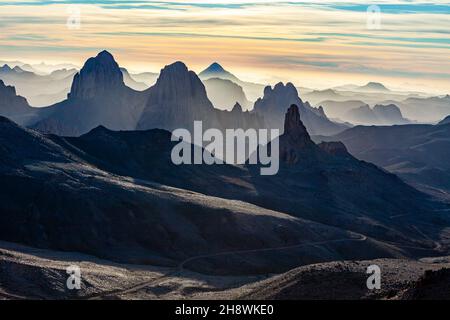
(272, 40)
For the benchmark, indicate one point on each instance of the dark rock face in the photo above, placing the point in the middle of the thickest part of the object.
(293, 126)
(433, 285)
(276, 100)
(295, 141)
(68, 200)
(99, 76)
(335, 148)
(106, 194)
(13, 106)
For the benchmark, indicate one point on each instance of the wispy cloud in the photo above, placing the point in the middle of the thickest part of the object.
(299, 40)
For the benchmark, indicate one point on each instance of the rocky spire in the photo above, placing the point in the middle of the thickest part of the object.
(293, 126)
(99, 76)
(237, 108)
(295, 141)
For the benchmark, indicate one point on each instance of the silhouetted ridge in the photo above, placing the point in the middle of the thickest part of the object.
(100, 75)
(215, 67)
(13, 106)
(293, 126)
(295, 141)
(237, 108)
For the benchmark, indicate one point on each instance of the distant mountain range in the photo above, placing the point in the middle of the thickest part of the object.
(273, 104)
(369, 87)
(378, 115)
(39, 68)
(14, 106)
(99, 95)
(40, 90)
(224, 94)
(252, 90)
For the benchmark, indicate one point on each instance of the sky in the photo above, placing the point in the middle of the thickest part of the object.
(315, 44)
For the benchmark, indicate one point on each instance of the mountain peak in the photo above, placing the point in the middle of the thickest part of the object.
(375, 86)
(5, 68)
(215, 70)
(293, 126)
(18, 69)
(100, 75)
(215, 67)
(177, 67)
(106, 55)
(281, 90)
(237, 108)
(6, 90)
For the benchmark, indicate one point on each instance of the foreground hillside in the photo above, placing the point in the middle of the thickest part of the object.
(51, 198)
(41, 274)
(118, 196)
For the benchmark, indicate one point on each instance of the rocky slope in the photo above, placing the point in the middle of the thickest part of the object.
(316, 182)
(61, 199)
(30, 273)
(400, 280)
(417, 153)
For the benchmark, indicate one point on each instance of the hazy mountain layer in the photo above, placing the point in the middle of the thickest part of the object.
(14, 106)
(378, 115)
(272, 106)
(40, 90)
(430, 109)
(224, 94)
(418, 153)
